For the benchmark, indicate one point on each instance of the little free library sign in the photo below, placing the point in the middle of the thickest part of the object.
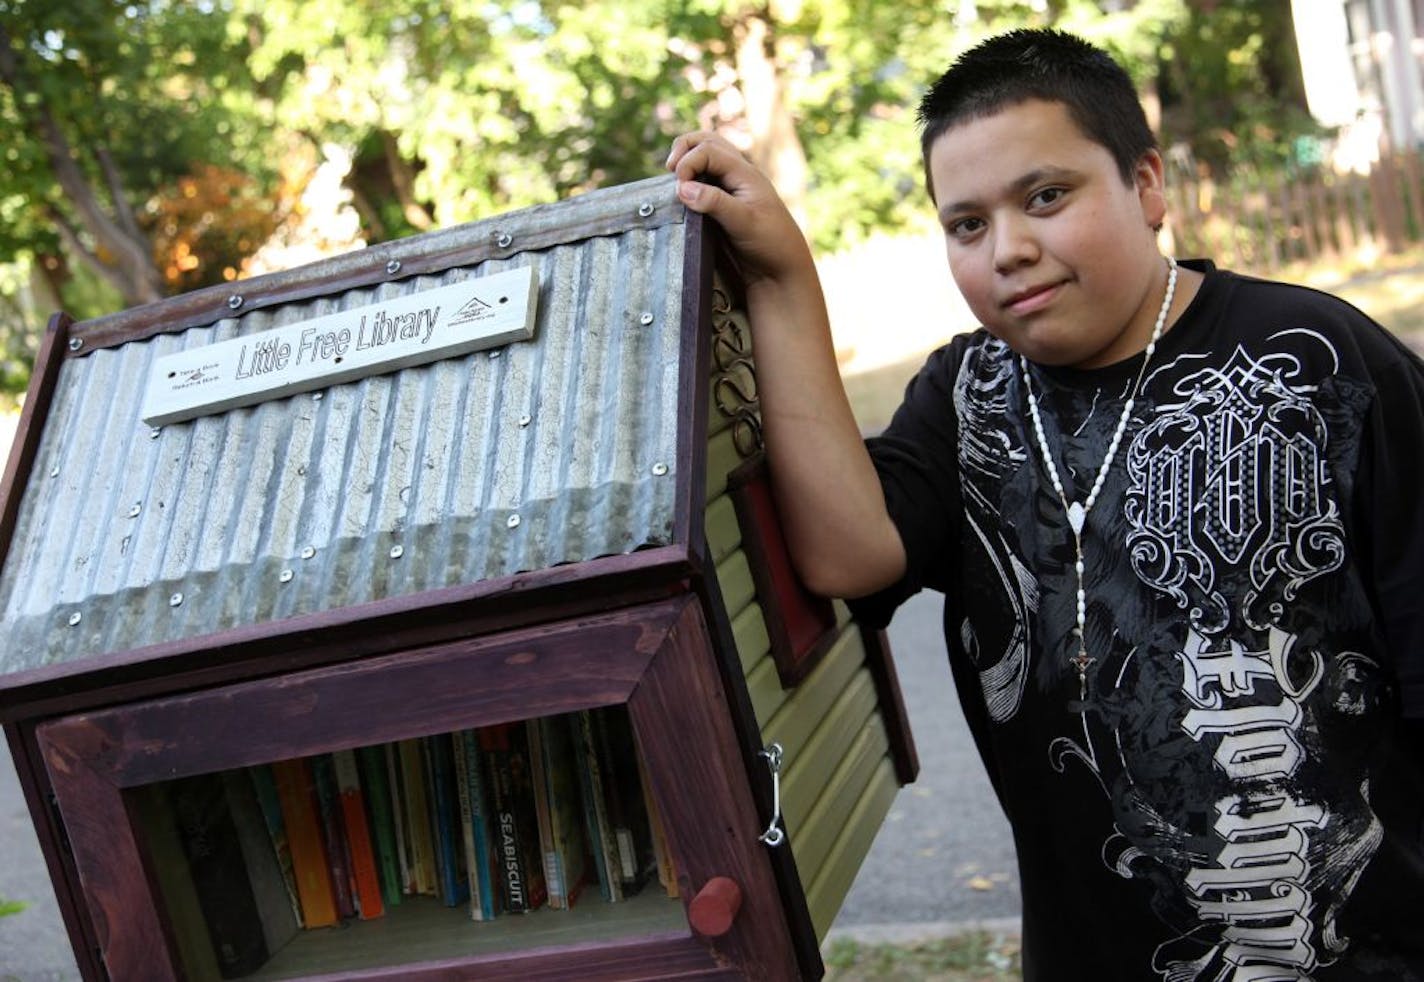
(381, 337)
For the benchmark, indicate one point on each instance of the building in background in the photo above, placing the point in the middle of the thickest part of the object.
(1362, 68)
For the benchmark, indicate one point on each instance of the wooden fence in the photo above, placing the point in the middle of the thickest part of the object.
(1262, 223)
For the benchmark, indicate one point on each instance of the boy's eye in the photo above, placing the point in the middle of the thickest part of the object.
(1045, 197)
(963, 228)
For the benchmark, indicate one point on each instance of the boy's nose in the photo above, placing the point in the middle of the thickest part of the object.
(1014, 246)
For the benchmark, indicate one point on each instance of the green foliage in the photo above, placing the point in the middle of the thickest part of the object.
(8, 907)
(459, 109)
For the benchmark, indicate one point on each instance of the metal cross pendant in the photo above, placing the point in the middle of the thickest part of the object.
(1081, 662)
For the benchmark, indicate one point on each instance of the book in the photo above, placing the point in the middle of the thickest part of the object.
(173, 882)
(264, 871)
(333, 835)
(365, 880)
(553, 882)
(375, 780)
(209, 839)
(414, 800)
(452, 881)
(474, 824)
(300, 816)
(505, 753)
(622, 771)
(569, 845)
(393, 783)
(603, 844)
(265, 787)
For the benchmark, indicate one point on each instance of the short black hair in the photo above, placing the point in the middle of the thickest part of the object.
(1040, 63)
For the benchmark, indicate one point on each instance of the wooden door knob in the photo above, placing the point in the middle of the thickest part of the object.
(715, 906)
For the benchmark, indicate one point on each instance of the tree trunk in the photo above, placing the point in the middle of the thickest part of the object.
(776, 147)
(133, 270)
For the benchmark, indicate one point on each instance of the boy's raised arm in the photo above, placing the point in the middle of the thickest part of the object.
(828, 495)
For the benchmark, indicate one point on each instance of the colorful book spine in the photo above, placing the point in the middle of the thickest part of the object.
(393, 781)
(604, 843)
(553, 878)
(364, 877)
(338, 856)
(483, 869)
(417, 817)
(565, 809)
(454, 887)
(505, 750)
(376, 782)
(302, 819)
(265, 787)
(468, 787)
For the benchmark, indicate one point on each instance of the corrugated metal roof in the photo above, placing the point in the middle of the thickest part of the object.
(556, 450)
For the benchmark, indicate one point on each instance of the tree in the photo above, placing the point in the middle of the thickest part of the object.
(106, 104)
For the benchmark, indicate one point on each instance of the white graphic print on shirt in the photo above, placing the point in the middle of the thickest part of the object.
(1228, 514)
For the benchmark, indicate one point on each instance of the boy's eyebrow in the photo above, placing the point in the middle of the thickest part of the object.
(1019, 185)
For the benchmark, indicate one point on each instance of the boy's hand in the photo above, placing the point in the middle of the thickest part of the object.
(714, 179)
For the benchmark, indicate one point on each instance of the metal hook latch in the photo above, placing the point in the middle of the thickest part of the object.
(774, 836)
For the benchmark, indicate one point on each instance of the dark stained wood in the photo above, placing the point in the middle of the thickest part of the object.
(654, 656)
(127, 928)
(538, 671)
(694, 768)
(880, 661)
(347, 633)
(541, 227)
(800, 625)
(694, 368)
(30, 427)
(783, 860)
(59, 862)
(630, 961)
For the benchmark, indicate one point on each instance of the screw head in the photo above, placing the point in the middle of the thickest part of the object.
(75, 344)
(393, 267)
(525, 420)
(645, 209)
(176, 600)
(512, 521)
(234, 301)
(309, 552)
(285, 576)
(135, 511)
(397, 552)
(316, 397)
(54, 472)
(75, 618)
(646, 318)
(659, 469)
(505, 240)
(153, 433)
(494, 353)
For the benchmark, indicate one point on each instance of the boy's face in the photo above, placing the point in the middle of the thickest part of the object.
(1053, 252)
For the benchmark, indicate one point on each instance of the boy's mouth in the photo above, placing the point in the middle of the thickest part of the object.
(1030, 299)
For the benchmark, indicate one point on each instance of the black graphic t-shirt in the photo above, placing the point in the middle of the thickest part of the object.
(1240, 796)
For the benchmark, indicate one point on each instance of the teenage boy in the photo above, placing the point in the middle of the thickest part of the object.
(1176, 515)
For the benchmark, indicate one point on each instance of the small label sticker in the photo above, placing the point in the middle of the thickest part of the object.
(382, 337)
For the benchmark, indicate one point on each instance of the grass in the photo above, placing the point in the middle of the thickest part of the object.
(973, 956)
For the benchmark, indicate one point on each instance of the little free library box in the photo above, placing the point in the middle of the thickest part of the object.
(422, 614)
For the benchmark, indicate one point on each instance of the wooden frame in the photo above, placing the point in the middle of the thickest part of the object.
(801, 625)
(651, 657)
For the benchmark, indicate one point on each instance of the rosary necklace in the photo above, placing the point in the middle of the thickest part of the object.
(1078, 512)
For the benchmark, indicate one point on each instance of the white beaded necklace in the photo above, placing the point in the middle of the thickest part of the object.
(1078, 513)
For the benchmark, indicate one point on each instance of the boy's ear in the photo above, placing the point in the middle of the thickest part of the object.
(1150, 178)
